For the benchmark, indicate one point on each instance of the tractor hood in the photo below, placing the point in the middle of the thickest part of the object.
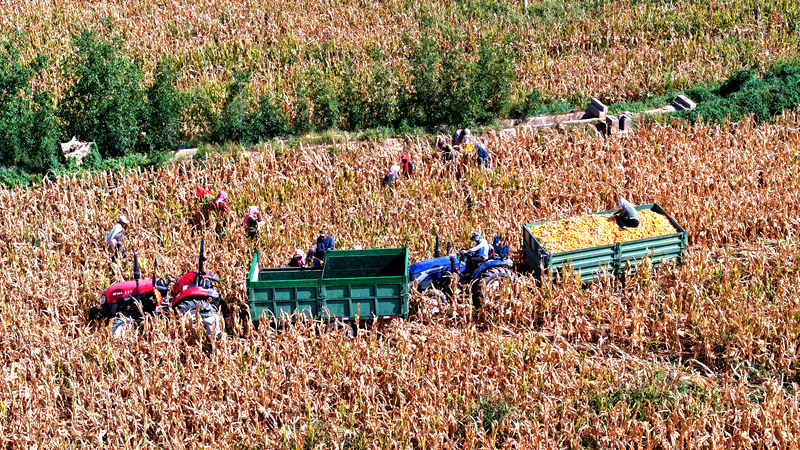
(442, 262)
(126, 288)
(432, 269)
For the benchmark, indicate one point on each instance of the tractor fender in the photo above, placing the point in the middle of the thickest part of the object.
(488, 265)
(195, 291)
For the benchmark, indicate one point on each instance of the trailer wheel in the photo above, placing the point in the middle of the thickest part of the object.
(491, 279)
(432, 301)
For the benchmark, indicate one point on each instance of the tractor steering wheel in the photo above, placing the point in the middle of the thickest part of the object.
(170, 279)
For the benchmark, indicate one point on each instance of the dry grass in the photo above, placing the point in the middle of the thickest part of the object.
(703, 355)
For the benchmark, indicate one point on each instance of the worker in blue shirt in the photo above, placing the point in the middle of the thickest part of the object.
(323, 247)
(483, 154)
(477, 254)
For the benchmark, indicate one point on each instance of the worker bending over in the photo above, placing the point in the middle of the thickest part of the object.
(626, 216)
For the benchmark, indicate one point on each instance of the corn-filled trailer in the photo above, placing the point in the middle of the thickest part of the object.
(593, 245)
(361, 284)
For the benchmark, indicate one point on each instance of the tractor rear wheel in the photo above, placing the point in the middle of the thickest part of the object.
(489, 280)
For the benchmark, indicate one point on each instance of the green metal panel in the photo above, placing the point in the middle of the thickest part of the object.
(353, 283)
(592, 263)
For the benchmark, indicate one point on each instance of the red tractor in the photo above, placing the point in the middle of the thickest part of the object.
(195, 292)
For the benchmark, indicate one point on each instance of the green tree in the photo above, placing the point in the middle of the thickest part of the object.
(105, 99)
(164, 105)
(230, 125)
(28, 130)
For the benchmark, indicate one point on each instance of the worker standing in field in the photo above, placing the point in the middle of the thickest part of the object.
(445, 149)
(253, 221)
(626, 216)
(115, 237)
(482, 155)
(408, 166)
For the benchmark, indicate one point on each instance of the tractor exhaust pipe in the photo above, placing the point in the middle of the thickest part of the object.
(202, 258)
(137, 274)
(436, 252)
(155, 265)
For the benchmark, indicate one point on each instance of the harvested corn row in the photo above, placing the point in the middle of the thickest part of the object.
(595, 230)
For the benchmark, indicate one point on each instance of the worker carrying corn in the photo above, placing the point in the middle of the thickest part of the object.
(253, 221)
(626, 216)
(408, 166)
(478, 253)
(482, 155)
(461, 137)
(115, 237)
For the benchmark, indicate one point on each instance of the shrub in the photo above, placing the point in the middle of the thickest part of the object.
(164, 104)
(324, 100)
(301, 120)
(28, 131)
(104, 100)
(266, 122)
(230, 125)
(743, 94)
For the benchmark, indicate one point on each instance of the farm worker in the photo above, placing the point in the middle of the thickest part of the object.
(324, 245)
(483, 154)
(626, 216)
(391, 176)
(220, 203)
(115, 237)
(461, 137)
(252, 221)
(408, 166)
(478, 253)
(448, 153)
(445, 148)
(297, 259)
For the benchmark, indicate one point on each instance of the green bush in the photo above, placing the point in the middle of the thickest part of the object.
(266, 122)
(28, 130)
(164, 105)
(230, 125)
(105, 99)
(326, 103)
(745, 94)
(301, 120)
(420, 103)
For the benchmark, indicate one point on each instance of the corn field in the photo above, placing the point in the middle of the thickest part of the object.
(621, 51)
(702, 355)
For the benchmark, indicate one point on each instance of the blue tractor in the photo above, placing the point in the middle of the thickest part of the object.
(437, 277)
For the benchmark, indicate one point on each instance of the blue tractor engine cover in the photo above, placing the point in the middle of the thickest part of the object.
(425, 272)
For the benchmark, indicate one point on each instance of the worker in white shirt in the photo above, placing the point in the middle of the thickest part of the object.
(478, 254)
(115, 237)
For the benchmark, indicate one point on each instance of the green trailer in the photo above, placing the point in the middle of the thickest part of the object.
(592, 263)
(353, 284)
